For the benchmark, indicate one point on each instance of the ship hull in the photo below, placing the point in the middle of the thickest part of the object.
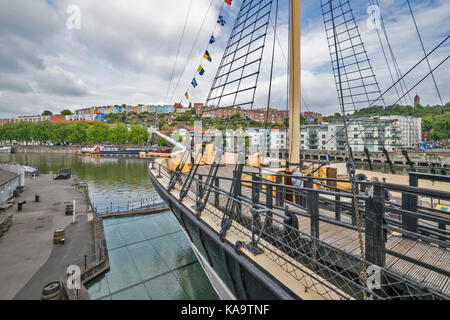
(232, 275)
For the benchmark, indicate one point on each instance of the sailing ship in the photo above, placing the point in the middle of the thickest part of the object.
(260, 236)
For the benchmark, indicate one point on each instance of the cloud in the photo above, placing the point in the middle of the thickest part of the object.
(56, 81)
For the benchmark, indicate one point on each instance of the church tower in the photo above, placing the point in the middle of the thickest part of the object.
(416, 101)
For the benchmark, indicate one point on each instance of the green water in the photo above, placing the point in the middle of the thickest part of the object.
(150, 256)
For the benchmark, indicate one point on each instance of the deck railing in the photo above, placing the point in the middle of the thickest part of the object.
(147, 203)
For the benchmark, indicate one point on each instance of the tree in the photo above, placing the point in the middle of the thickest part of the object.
(8, 132)
(138, 134)
(60, 132)
(441, 127)
(118, 134)
(41, 131)
(47, 113)
(427, 124)
(66, 112)
(161, 141)
(97, 132)
(78, 132)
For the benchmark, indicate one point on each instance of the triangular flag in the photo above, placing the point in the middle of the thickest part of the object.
(207, 56)
(186, 95)
(228, 2)
(212, 40)
(194, 83)
(200, 70)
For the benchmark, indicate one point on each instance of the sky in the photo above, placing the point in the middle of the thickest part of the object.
(69, 54)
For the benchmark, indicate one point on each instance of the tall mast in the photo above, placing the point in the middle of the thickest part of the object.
(294, 81)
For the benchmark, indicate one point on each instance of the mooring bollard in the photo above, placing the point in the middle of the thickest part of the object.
(73, 213)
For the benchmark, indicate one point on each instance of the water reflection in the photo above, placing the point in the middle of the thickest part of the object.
(116, 180)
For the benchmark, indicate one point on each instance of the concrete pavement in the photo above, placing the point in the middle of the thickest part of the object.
(25, 249)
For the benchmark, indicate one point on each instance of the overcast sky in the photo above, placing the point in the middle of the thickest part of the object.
(124, 52)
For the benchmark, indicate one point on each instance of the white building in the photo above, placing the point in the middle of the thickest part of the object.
(411, 129)
(372, 133)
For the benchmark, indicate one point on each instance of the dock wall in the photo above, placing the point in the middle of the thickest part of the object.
(46, 149)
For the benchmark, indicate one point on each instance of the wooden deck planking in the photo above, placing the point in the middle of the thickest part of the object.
(416, 251)
(435, 279)
(402, 247)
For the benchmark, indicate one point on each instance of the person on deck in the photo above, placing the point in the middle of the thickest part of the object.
(298, 183)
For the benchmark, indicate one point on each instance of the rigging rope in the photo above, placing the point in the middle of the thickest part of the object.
(388, 89)
(178, 51)
(424, 51)
(394, 60)
(271, 74)
(350, 165)
(192, 48)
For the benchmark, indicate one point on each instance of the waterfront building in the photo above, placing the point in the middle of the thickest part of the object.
(411, 130)
(371, 132)
(10, 179)
(311, 117)
(315, 137)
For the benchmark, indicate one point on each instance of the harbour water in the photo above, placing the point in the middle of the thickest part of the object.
(150, 256)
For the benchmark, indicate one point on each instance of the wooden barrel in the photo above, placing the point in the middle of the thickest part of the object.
(52, 291)
(58, 236)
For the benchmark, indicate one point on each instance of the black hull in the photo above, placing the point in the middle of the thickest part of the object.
(244, 279)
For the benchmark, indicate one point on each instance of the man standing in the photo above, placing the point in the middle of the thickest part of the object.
(298, 183)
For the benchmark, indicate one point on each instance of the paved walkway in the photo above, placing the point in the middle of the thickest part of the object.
(29, 259)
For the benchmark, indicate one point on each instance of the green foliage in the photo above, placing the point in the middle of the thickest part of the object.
(441, 127)
(138, 134)
(47, 113)
(419, 111)
(66, 112)
(59, 132)
(97, 132)
(427, 124)
(118, 134)
(161, 141)
(177, 137)
(41, 131)
(78, 132)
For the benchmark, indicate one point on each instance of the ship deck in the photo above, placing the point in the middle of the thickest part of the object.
(341, 236)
